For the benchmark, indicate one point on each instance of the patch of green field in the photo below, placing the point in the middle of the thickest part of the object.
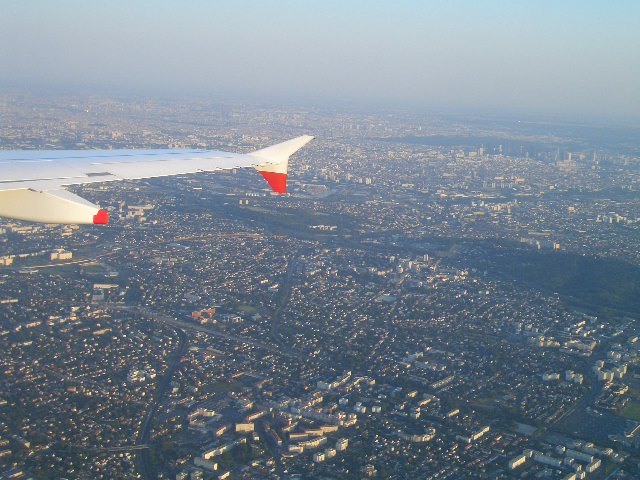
(222, 387)
(609, 469)
(94, 268)
(524, 429)
(234, 385)
(246, 308)
(487, 401)
(634, 391)
(631, 411)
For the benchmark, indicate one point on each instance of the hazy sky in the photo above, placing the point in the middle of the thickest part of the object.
(556, 57)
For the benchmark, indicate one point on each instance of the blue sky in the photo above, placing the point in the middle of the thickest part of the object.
(568, 58)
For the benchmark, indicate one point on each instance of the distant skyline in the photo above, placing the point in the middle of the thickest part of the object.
(573, 59)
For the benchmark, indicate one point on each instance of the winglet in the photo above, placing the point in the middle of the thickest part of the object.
(274, 161)
(101, 218)
(277, 181)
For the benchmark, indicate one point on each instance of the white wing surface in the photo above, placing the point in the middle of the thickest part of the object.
(32, 182)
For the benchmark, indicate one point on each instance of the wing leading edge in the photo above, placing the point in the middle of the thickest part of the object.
(32, 182)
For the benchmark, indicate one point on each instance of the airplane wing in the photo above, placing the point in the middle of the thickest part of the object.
(32, 182)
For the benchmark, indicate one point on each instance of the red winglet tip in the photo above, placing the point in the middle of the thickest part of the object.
(277, 181)
(101, 218)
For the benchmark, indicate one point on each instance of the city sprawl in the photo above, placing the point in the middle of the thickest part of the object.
(436, 298)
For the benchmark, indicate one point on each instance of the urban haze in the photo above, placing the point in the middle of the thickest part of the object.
(450, 289)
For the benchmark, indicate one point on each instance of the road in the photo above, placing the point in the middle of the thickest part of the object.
(143, 458)
(231, 337)
(284, 293)
(167, 320)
